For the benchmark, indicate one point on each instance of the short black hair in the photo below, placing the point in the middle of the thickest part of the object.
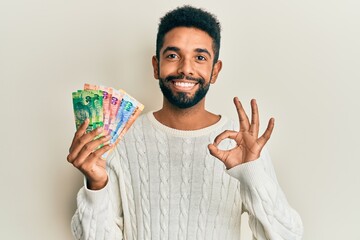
(188, 16)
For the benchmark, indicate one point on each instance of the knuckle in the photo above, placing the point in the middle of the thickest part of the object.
(84, 168)
(96, 154)
(101, 151)
(105, 139)
(80, 132)
(94, 133)
(77, 135)
(87, 147)
(225, 133)
(77, 164)
(69, 158)
(81, 141)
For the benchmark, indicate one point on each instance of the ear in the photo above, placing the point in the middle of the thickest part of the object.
(216, 70)
(155, 64)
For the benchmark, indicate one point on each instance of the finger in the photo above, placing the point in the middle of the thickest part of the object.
(86, 145)
(226, 134)
(95, 158)
(216, 152)
(100, 152)
(92, 146)
(79, 143)
(82, 129)
(267, 134)
(80, 132)
(243, 118)
(254, 128)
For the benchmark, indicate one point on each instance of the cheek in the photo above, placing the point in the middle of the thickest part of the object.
(166, 69)
(205, 72)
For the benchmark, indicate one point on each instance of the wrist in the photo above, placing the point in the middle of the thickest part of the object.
(96, 185)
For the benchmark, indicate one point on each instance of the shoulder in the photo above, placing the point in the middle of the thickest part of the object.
(229, 124)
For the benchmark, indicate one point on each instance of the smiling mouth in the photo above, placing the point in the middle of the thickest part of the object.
(184, 86)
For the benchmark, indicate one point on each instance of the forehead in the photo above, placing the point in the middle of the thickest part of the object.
(188, 38)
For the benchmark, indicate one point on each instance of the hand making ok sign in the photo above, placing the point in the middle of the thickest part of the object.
(248, 144)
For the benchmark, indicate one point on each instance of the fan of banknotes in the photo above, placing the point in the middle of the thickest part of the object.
(114, 110)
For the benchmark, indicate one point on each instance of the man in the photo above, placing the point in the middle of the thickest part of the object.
(164, 180)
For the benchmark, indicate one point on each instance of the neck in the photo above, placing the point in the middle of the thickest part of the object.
(192, 118)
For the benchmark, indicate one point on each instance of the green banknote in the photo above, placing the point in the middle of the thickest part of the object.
(88, 104)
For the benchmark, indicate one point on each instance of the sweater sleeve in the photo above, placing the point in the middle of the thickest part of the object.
(99, 213)
(270, 215)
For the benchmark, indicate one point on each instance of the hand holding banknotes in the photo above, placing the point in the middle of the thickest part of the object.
(102, 116)
(85, 154)
(248, 145)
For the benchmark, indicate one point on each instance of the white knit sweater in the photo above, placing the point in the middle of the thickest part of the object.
(164, 184)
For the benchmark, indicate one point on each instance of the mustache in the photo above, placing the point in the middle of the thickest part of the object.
(182, 76)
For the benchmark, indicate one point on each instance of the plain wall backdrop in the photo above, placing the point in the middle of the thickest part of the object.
(299, 59)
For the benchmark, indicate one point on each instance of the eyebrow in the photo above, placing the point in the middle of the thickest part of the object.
(170, 48)
(203, 50)
(176, 49)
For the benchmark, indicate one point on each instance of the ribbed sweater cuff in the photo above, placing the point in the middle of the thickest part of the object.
(251, 174)
(95, 198)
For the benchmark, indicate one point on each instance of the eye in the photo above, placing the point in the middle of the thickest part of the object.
(200, 58)
(172, 56)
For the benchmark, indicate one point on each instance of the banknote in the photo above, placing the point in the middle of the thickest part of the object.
(95, 100)
(115, 103)
(107, 92)
(127, 107)
(131, 120)
(81, 110)
(88, 104)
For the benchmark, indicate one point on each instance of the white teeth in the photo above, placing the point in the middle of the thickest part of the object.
(184, 84)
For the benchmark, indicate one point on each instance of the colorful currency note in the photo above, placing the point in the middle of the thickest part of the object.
(127, 107)
(107, 92)
(115, 103)
(131, 120)
(88, 104)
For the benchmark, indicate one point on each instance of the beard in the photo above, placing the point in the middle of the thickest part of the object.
(182, 99)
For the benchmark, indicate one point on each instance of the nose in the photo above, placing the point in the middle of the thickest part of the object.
(186, 67)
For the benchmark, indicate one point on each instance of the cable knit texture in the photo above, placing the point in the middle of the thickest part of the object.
(164, 184)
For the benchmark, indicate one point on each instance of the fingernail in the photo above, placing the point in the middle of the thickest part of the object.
(100, 129)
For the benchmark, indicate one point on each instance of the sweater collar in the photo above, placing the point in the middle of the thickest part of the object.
(185, 133)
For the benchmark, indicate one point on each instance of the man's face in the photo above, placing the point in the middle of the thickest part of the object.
(185, 66)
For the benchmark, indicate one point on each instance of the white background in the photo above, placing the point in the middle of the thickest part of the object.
(299, 59)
